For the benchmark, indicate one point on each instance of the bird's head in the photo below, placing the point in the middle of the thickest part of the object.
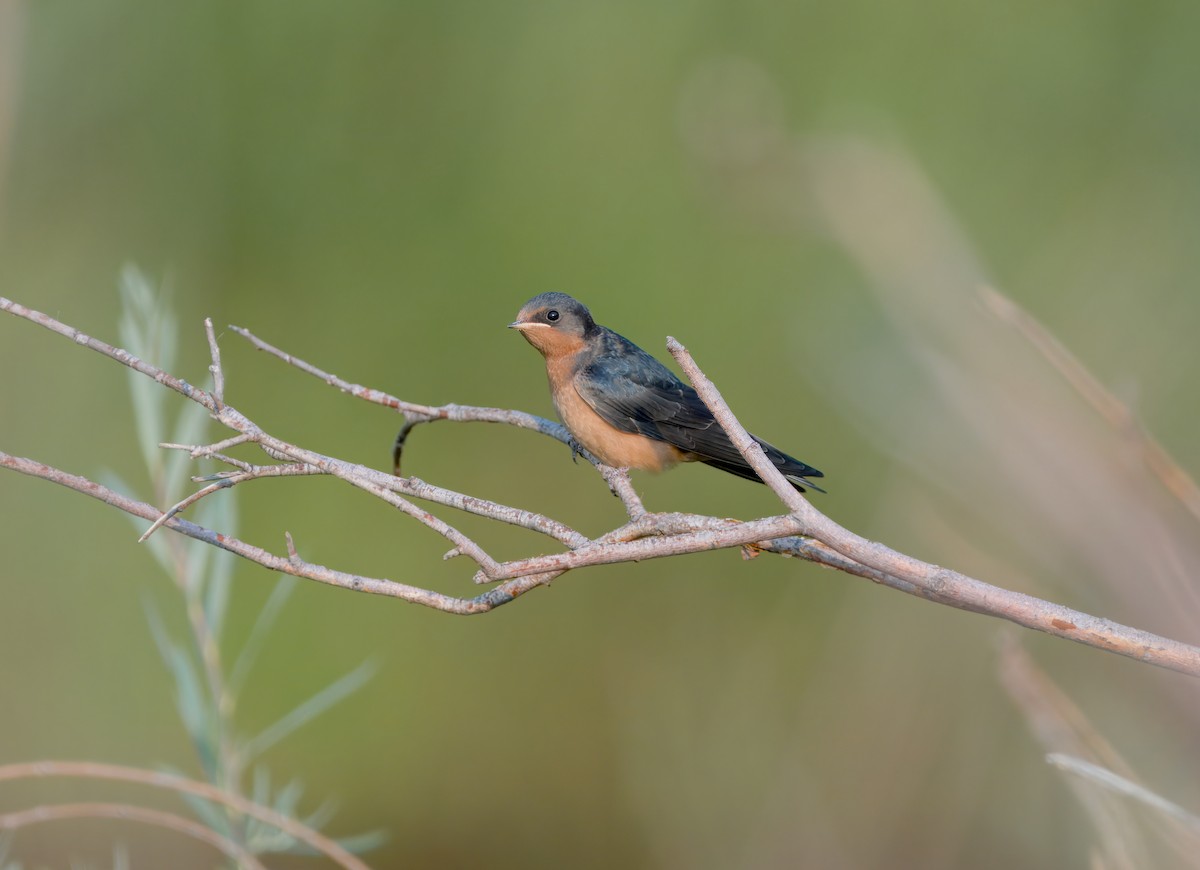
(554, 323)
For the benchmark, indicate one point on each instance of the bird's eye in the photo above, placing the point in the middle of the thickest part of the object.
(552, 315)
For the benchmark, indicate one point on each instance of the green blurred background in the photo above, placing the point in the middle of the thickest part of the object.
(377, 187)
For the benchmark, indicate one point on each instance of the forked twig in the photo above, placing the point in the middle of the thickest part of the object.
(803, 531)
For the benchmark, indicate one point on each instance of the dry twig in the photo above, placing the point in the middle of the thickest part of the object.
(1115, 412)
(182, 785)
(802, 531)
(131, 813)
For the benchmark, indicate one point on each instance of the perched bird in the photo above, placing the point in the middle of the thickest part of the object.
(625, 406)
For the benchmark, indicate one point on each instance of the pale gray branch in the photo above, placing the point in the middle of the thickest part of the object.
(932, 581)
(215, 369)
(803, 532)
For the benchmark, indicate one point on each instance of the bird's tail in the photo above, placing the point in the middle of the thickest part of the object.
(796, 472)
(801, 482)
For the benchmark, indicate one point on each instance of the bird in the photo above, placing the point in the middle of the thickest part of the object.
(627, 408)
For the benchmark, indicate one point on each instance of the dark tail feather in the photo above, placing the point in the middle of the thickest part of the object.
(793, 469)
(795, 472)
(796, 481)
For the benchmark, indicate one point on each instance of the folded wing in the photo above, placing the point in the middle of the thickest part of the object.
(636, 393)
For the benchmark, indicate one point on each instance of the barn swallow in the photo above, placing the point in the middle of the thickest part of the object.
(626, 407)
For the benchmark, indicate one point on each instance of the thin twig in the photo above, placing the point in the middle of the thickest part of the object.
(309, 463)
(651, 543)
(622, 487)
(415, 414)
(461, 542)
(208, 449)
(185, 503)
(535, 522)
(1115, 412)
(131, 813)
(227, 480)
(1124, 786)
(122, 356)
(217, 372)
(119, 773)
(297, 567)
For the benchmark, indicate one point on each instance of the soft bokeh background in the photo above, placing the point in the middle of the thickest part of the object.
(810, 197)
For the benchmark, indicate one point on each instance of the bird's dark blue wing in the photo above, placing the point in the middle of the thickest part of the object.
(636, 393)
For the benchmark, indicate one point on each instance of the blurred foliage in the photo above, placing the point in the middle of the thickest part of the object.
(378, 187)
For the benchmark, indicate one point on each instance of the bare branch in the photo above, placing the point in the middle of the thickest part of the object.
(375, 396)
(492, 510)
(185, 503)
(295, 566)
(226, 480)
(652, 541)
(415, 414)
(932, 581)
(210, 449)
(217, 372)
(122, 356)
(622, 487)
(803, 531)
(461, 542)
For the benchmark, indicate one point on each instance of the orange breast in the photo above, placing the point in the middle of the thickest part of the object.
(609, 444)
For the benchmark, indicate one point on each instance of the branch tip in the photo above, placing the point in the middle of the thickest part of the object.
(218, 374)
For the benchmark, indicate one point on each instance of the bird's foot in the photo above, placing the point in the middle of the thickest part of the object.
(576, 449)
